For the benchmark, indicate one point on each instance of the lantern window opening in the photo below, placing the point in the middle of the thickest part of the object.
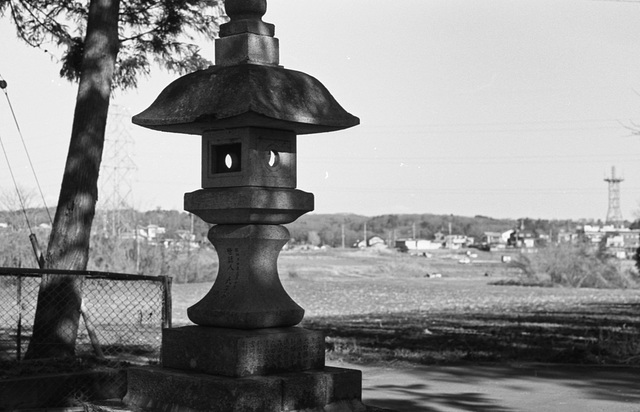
(226, 158)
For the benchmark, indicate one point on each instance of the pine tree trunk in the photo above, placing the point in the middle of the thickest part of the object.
(60, 296)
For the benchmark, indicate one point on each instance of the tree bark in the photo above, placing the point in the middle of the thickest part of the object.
(60, 296)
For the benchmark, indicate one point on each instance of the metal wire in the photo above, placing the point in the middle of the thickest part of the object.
(3, 85)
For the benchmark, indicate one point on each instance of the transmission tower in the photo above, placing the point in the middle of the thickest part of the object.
(116, 174)
(614, 215)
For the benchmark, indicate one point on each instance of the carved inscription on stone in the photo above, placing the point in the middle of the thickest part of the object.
(232, 269)
(281, 352)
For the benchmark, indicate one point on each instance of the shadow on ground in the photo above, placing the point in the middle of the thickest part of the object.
(503, 388)
(417, 398)
(518, 361)
(595, 334)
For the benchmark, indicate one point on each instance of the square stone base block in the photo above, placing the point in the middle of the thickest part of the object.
(326, 389)
(237, 353)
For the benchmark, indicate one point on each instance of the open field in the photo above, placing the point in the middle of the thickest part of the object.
(378, 306)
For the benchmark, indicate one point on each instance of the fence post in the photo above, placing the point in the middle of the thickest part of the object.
(166, 302)
(95, 343)
(19, 331)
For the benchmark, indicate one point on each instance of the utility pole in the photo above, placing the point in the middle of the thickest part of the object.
(365, 235)
(137, 239)
(190, 234)
(342, 229)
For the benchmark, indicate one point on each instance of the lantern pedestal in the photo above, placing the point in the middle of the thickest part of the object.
(240, 353)
(227, 370)
(327, 389)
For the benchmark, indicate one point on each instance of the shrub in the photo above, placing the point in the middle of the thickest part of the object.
(573, 265)
(183, 265)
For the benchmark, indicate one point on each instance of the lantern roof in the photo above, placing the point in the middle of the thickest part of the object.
(246, 87)
(245, 95)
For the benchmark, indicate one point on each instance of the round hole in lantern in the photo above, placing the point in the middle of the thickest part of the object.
(232, 162)
(274, 158)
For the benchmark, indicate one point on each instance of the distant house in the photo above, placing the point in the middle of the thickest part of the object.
(619, 241)
(528, 242)
(567, 237)
(492, 238)
(595, 234)
(184, 238)
(631, 242)
(623, 244)
(417, 244)
(521, 238)
(185, 235)
(152, 233)
(438, 237)
(4, 225)
(457, 241)
(544, 237)
(373, 241)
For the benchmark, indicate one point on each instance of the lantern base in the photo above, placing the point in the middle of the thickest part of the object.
(320, 390)
(247, 293)
(238, 353)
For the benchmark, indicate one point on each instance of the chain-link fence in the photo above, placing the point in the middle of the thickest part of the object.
(122, 317)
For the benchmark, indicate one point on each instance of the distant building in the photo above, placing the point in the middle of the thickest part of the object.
(417, 244)
(438, 237)
(373, 241)
(492, 238)
(523, 239)
(499, 240)
(567, 237)
(152, 233)
(184, 239)
(619, 241)
(544, 238)
(457, 241)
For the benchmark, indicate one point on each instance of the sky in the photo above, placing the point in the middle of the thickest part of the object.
(506, 109)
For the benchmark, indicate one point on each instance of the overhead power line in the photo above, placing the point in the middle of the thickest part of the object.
(457, 159)
(3, 86)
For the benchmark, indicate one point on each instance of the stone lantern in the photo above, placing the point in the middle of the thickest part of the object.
(248, 111)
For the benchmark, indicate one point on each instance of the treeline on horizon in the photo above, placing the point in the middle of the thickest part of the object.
(319, 229)
(186, 262)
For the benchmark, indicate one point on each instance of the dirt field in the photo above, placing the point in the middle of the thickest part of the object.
(380, 306)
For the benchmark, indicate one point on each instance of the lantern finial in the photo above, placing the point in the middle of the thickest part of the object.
(246, 39)
(246, 17)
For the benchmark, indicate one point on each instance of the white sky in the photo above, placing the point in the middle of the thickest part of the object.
(499, 108)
